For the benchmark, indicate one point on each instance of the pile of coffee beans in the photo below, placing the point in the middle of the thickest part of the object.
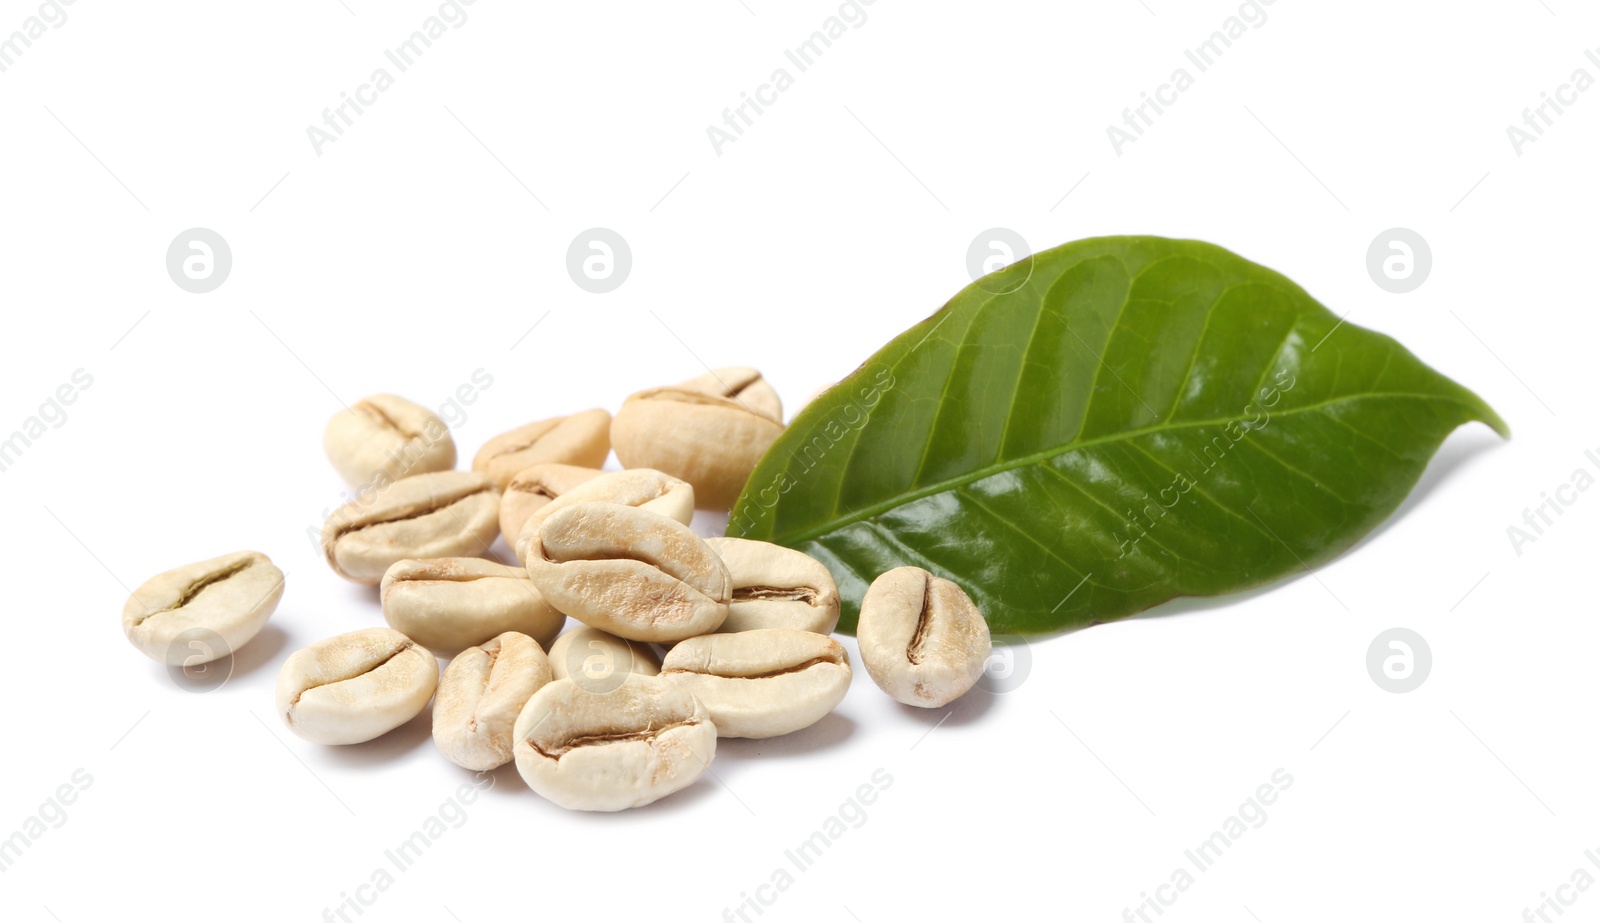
(681, 639)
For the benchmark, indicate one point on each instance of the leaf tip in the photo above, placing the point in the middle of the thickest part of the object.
(1487, 416)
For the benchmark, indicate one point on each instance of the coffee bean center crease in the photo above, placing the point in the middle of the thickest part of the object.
(409, 645)
(608, 737)
(198, 586)
(924, 621)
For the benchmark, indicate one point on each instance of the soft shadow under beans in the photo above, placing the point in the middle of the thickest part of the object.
(261, 651)
(387, 748)
(510, 792)
(707, 788)
(362, 594)
(965, 710)
(507, 780)
(509, 789)
(832, 730)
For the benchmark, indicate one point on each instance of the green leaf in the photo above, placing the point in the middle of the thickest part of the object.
(1103, 427)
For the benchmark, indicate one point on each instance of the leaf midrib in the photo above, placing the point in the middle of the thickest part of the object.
(978, 474)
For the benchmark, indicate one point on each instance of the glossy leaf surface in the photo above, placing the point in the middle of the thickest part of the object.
(1103, 427)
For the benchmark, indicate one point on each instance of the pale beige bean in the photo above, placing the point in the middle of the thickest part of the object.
(745, 385)
(446, 604)
(922, 639)
(776, 587)
(205, 611)
(628, 571)
(764, 682)
(600, 661)
(710, 440)
(354, 687)
(645, 488)
(582, 439)
(532, 488)
(442, 515)
(383, 438)
(480, 695)
(611, 751)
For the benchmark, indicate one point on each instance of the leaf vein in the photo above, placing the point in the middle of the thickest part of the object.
(1056, 451)
(973, 498)
(1214, 501)
(1101, 503)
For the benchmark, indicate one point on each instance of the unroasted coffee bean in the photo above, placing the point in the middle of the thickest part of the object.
(610, 751)
(634, 573)
(764, 682)
(203, 612)
(645, 488)
(600, 661)
(446, 604)
(354, 687)
(481, 694)
(532, 488)
(710, 440)
(580, 439)
(776, 587)
(922, 640)
(384, 438)
(441, 515)
(744, 385)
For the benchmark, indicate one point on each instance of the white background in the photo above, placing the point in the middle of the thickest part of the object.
(432, 236)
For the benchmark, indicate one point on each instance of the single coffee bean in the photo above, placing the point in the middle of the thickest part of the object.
(532, 488)
(921, 638)
(710, 440)
(645, 488)
(446, 604)
(384, 438)
(441, 515)
(481, 694)
(580, 439)
(744, 385)
(599, 661)
(203, 612)
(776, 587)
(589, 751)
(628, 571)
(763, 682)
(354, 687)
